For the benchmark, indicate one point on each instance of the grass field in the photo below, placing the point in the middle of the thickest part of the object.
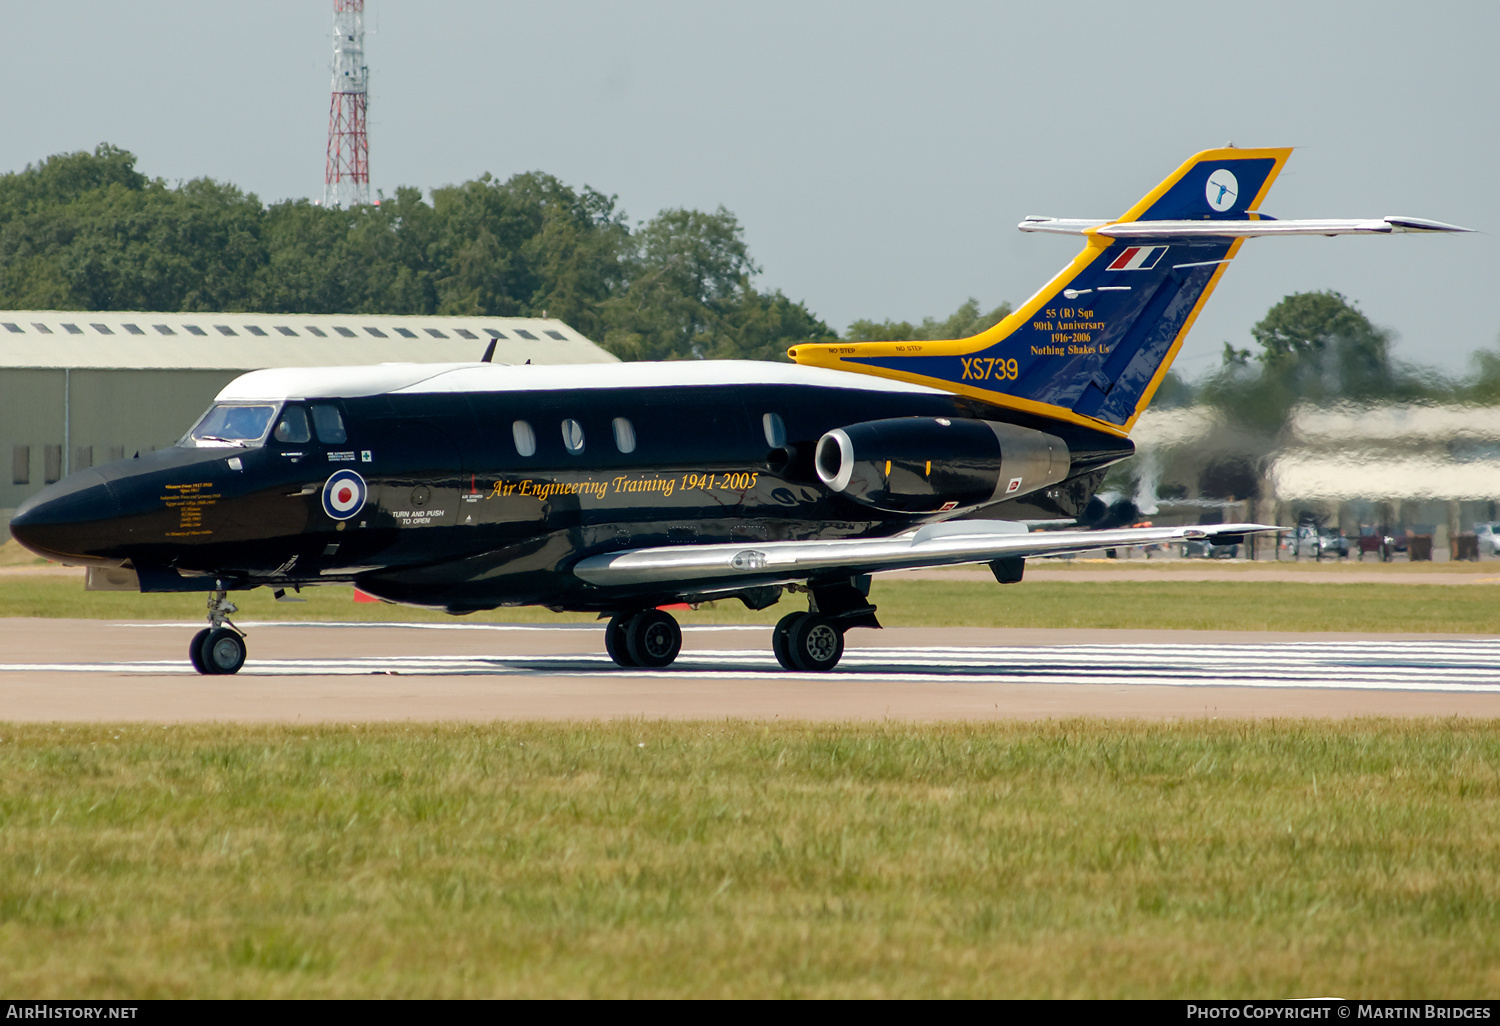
(1187, 605)
(1073, 859)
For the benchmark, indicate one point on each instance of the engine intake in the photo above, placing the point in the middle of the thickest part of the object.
(937, 464)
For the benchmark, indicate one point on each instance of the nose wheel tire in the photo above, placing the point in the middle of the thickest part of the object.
(217, 651)
(808, 643)
(653, 639)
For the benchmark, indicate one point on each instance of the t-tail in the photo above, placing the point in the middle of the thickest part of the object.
(1093, 345)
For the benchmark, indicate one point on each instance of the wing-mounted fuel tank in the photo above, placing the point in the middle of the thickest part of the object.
(936, 464)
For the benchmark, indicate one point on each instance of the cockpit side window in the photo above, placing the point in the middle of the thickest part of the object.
(329, 424)
(235, 425)
(292, 427)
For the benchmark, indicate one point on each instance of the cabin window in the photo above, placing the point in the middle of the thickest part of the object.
(572, 433)
(292, 427)
(233, 424)
(134, 329)
(329, 424)
(775, 430)
(624, 435)
(525, 438)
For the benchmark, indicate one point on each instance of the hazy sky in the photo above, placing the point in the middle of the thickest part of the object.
(878, 154)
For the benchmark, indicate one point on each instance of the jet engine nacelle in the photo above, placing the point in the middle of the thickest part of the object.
(936, 464)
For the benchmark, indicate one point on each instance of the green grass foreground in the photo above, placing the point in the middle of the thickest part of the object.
(1073, 859)
(1084, 603)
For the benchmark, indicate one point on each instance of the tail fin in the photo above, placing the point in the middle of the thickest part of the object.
(1094, 343)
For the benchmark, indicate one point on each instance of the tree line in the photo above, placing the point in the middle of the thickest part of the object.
(87, 231)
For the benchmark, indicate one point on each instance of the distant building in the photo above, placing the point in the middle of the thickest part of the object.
(79, 388)
(1419, 469)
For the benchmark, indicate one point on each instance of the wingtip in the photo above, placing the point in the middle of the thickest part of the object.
(1422, 224)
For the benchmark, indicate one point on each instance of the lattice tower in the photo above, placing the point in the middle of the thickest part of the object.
(346, 178)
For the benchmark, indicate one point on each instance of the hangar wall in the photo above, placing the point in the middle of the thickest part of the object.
(54, 421)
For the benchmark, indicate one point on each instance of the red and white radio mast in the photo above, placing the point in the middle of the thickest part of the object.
(346, 180)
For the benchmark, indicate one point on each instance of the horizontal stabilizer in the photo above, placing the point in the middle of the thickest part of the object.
(955, 543)
(1224, 229)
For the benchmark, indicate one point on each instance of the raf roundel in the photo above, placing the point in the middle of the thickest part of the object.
(344, 495)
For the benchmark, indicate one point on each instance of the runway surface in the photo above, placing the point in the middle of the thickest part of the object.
(87, 670)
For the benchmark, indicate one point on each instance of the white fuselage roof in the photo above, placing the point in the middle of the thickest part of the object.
(406, 378)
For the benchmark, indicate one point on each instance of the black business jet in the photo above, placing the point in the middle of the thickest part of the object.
(621, 488)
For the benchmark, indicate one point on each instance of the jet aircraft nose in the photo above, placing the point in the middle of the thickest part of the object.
(73, 521)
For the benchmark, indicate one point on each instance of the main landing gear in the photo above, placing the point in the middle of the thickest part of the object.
(218, 649)
(810, 642)
(807, 642)
(650, 638)
(813, 642)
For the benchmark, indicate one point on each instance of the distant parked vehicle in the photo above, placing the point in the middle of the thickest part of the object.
(1327, 542)
(1202, 549)
(1333, 543)
(1489, 538)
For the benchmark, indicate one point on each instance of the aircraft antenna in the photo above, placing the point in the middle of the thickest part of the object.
(346, 178)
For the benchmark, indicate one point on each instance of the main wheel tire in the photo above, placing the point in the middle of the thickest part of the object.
(223, 651)
(616, 640)
(816, 644)
(195, 652)
(781, 643)
(653, 638)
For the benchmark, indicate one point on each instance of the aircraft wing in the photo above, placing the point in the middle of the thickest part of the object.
(948, 544)
(1236, 229)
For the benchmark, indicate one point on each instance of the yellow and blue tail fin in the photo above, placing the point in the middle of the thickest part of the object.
(1093, 345)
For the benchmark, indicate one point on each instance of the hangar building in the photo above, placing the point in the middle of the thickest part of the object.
(84, 387)
(1421, 469)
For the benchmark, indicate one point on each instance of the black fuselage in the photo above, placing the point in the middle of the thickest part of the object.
(459, 515)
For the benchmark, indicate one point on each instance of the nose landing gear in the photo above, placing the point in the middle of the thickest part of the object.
(218, 649)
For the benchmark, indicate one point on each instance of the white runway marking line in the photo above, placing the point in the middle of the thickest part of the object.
(1387, 666)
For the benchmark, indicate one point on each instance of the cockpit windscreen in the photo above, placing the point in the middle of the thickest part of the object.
(232, 425)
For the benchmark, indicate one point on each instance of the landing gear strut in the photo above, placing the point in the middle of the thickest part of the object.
(650, 638)
(218, 649)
